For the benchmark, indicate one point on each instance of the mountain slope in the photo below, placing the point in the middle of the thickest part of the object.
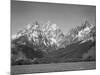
(71, 53)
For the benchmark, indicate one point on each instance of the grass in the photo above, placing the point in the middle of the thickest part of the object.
(53, 67)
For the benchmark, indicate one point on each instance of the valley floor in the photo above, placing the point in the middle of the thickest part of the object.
(38, 68)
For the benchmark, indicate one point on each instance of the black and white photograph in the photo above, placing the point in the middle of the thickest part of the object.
(52, 37)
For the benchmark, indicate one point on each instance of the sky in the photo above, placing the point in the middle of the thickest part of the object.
(66, 16)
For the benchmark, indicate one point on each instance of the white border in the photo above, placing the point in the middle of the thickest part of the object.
(83, 2)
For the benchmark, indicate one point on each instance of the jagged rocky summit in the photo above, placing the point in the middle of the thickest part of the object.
(50, 35)
(47, 35)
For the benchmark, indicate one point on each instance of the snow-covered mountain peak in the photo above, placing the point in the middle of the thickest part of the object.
(47, 34)
(50, 35)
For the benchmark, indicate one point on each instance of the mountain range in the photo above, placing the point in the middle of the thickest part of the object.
(46, 43)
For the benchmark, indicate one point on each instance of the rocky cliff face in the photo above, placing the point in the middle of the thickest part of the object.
(50, 34)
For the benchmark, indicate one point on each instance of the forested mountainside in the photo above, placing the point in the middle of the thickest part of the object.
(41, 44)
